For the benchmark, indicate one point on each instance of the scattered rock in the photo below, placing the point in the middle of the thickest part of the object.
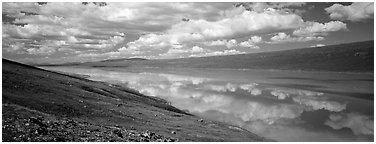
(37, 121)
(201, 120)
(235, 128)
(118, 133)
(146, 134)
(173, 132)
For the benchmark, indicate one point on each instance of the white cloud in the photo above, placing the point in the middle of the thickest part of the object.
(96, 27)
(264, 6)
(315, 28)
(357, 11)
(177, 51)
(231, 43)
(360, 124)
(198, 30)
(228, 43)
(318, 45)
(44, 50)
(197, 49)
(283, 38)
(312, 31)
(244, 23)
(256, 39)
(216, 43)
(251, 42)
(130, 50)
(218, 53)
(151, 28)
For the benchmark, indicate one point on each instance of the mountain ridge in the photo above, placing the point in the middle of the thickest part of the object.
(349, 57)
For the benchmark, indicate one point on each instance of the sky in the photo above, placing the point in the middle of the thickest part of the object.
(57, 32)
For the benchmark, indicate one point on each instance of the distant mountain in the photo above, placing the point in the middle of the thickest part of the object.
(85, 63)
(349, 57)
(124, 59)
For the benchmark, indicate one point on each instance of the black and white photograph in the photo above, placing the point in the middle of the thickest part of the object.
(187, 71)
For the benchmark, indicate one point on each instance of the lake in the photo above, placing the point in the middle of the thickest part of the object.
(280, 105)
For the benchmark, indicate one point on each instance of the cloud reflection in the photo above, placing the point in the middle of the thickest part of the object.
(283, 93)
(270, 111)
(251, 88)
(316, 103)
(220, 101)
(359, 124)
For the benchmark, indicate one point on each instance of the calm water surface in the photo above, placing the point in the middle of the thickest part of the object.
(280, 105)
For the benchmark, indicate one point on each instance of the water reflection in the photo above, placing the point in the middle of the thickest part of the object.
(270, 111)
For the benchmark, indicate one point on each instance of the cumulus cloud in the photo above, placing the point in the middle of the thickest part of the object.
(218, 53)
(251, 43)
(311, 31)
(255, 39)
(284, 38)
(95, 31)
(42, 51)
(355, 12)
(198, 30)
(318, 45)
(197, 49)
(244, 23)
(231, 43)
(93, 26)
(216, 43)
(360, 124)
(265, 6)
(315, 28)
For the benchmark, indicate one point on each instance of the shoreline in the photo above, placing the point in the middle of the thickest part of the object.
(237, 69)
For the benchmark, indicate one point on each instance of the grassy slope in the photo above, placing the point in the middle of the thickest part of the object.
(352, 57)
(59, 98)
